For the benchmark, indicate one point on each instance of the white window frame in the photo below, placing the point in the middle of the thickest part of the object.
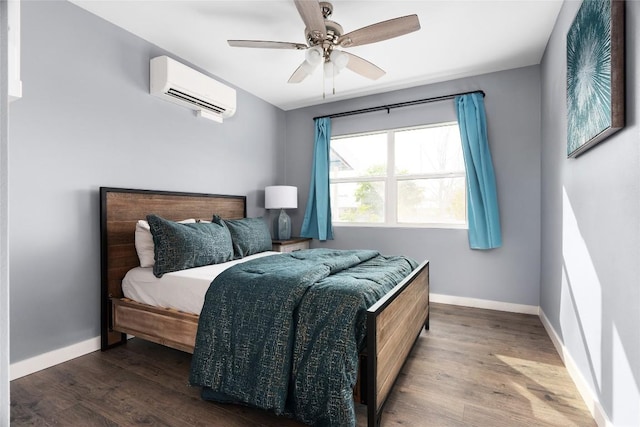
(391, 184)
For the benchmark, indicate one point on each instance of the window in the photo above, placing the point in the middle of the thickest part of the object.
(402, 177)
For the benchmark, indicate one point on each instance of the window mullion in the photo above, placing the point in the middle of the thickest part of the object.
(410, 177)
(391, 214)
(357, 179)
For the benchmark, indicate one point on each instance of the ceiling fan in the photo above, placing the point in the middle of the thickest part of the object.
(324, 36)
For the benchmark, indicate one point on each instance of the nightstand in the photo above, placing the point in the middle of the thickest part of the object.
(291, 245)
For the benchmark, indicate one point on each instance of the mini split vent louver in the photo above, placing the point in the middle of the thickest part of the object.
(177, 83)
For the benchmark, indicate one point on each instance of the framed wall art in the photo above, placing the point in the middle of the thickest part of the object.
(595, 74)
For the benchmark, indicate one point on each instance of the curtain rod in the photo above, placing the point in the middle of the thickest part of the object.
(398, 105)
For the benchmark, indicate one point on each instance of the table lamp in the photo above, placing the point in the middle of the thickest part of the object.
(281, 197)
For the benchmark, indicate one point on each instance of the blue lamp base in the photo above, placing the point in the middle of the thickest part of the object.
(282, 226)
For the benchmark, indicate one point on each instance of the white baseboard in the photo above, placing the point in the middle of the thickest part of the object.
(54, 357)
(483, 303)
(589, 397)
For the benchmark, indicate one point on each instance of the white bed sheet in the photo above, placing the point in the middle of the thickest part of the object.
(181, 290)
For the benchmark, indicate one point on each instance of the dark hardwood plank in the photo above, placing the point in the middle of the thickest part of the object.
(472, 368)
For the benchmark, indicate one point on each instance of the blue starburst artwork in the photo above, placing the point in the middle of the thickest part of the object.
(593, 88)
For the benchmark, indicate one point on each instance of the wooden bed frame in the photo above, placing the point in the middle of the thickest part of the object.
(393, 323)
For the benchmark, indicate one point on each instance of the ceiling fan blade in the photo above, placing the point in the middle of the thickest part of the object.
(381, 31)
(364, 67)
(299, 74)
(266, 44)
(311, 15)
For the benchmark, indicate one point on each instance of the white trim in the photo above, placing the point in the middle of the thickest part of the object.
(54, 357)
(589, 397)
(453, 226)
(486, 304)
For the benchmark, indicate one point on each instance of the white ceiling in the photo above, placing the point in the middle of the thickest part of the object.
(457, 39)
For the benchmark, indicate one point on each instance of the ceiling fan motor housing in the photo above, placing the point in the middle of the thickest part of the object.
(333, 33)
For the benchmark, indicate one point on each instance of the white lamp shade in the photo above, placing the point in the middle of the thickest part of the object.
(280, 197)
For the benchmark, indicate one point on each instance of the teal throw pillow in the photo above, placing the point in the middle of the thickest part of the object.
(249, 235)
(181, 246)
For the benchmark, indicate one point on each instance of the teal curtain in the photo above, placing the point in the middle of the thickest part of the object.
(317, 217)
(482, 199)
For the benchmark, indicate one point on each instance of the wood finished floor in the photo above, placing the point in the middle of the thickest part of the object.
(473, 368)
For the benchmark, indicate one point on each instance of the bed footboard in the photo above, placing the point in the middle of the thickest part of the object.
(164, 326)
(393, 326)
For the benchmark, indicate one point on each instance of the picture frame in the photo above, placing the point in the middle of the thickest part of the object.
(595, 74)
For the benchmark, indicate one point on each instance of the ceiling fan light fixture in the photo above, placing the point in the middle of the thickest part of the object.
(339, 59)
(308, 67)
(314, 55)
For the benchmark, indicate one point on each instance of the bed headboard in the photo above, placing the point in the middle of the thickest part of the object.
(120, 209)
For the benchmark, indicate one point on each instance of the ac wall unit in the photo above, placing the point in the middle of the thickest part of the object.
(175, 82)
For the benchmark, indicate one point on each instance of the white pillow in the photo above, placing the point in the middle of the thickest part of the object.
(144, 242)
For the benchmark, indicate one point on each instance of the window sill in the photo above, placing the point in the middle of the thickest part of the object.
(412, 226)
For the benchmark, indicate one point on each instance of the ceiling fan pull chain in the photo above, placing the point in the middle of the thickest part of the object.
(324, 96)
(333, 82)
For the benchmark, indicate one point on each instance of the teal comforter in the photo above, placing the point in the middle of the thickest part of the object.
(283, 333)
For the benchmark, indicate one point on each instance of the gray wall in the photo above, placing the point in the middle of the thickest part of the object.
(590, 280)
(508, 274)
(87, 120)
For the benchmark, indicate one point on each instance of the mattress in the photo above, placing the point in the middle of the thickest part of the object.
(181, 290)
